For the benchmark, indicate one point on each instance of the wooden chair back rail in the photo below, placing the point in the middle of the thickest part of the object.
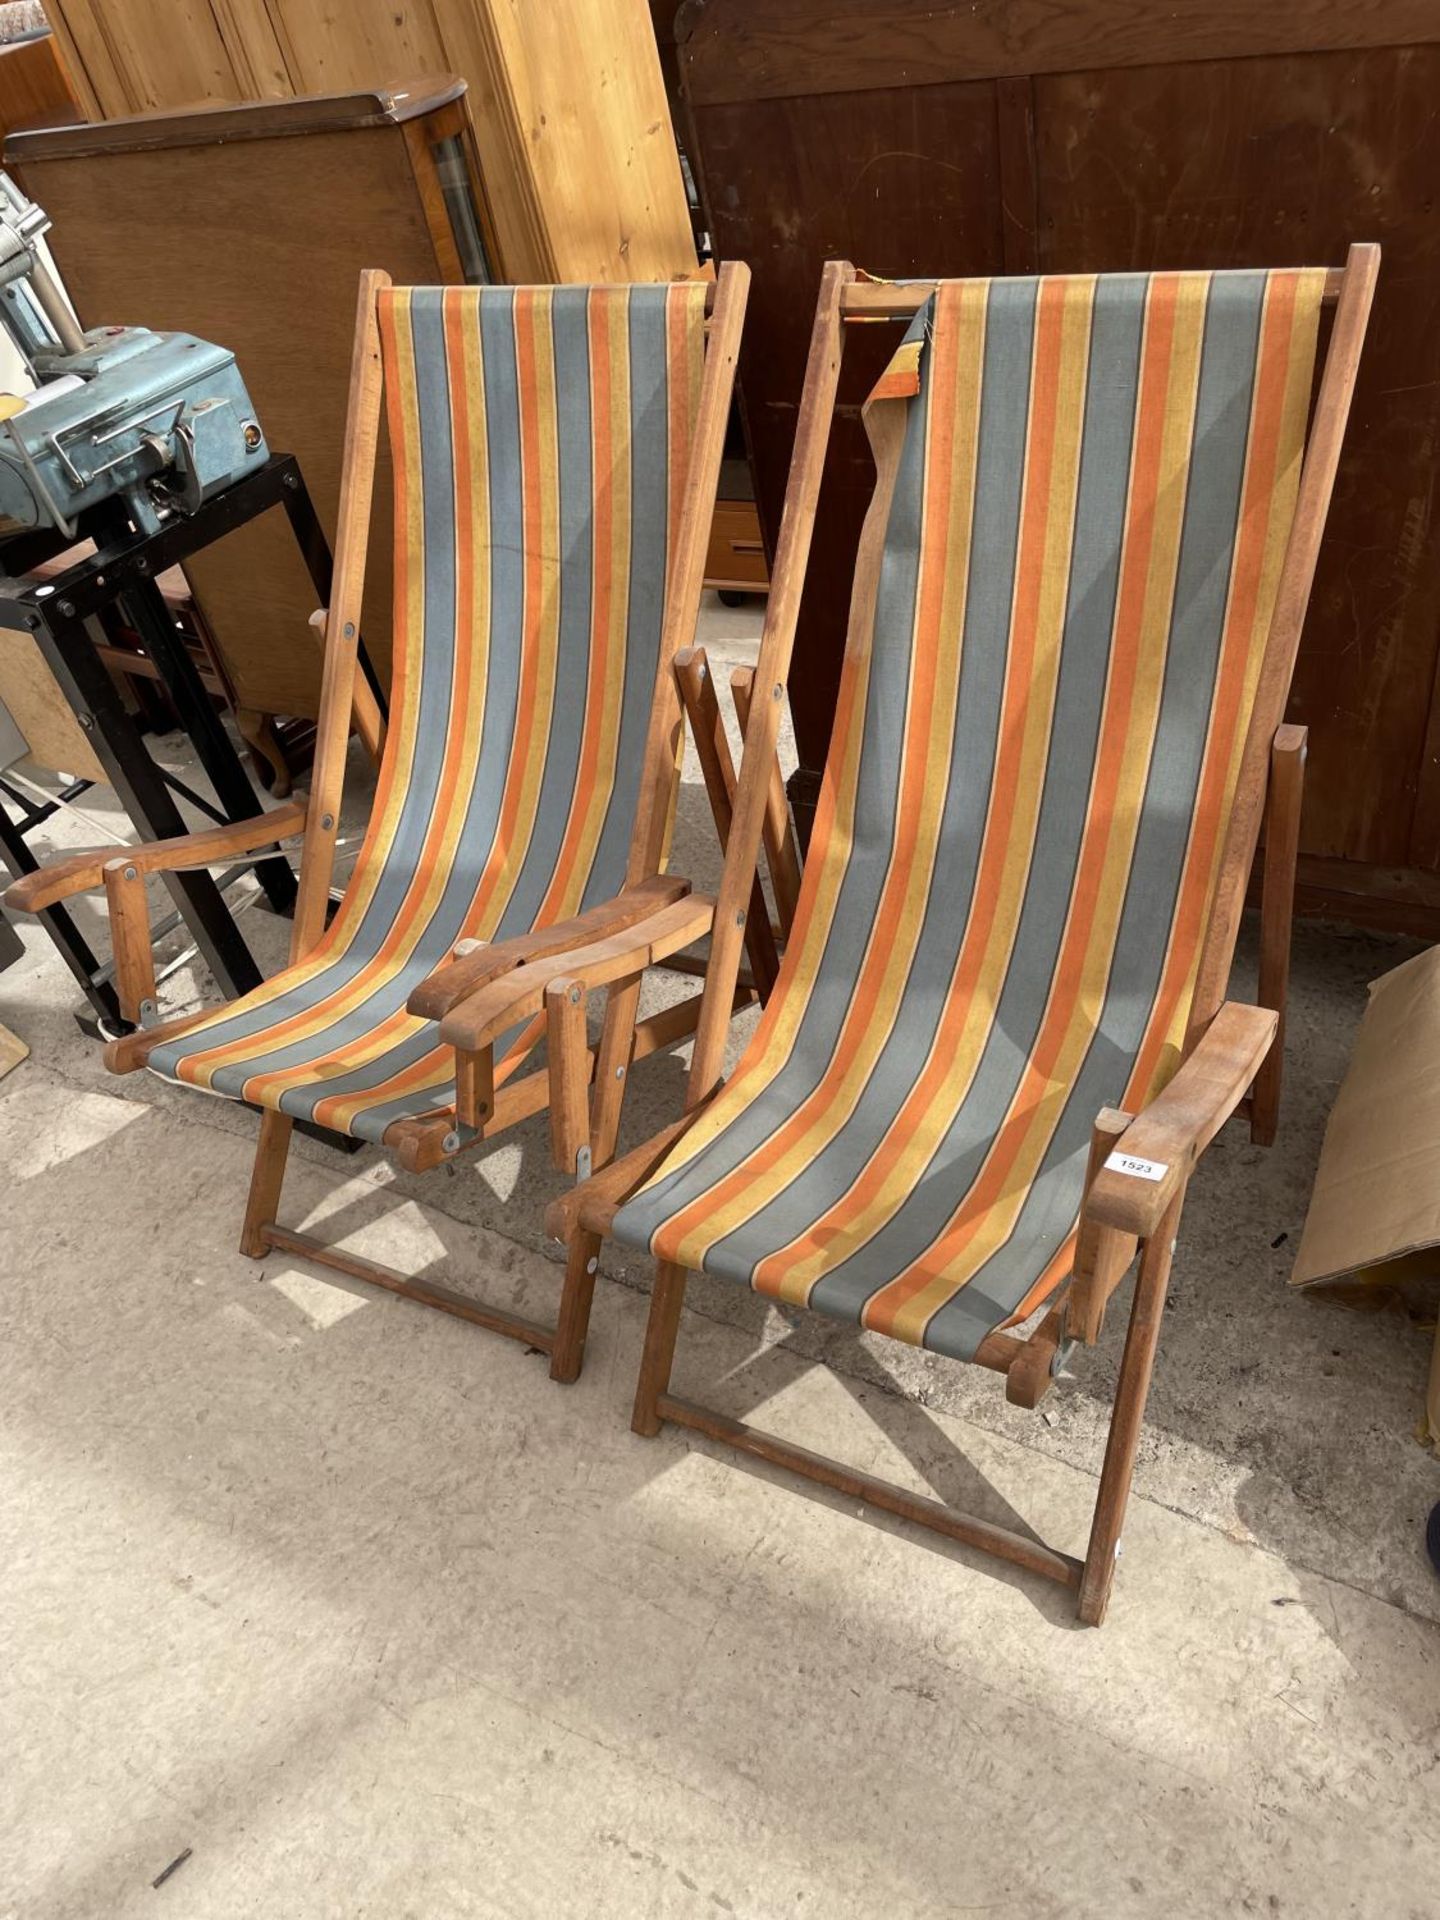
(781, 855)
(342, 619)
(888, 300)
(812, 433)
(696, 685)
(687, 565)
(1355, 290)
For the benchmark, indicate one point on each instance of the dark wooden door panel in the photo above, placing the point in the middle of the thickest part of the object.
(1284, 161)
(909, 186)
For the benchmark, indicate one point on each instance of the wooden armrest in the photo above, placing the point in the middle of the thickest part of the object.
(593, 1204)
(440, 992)
(82, 872)
(1168, 1137)
(480, 1020)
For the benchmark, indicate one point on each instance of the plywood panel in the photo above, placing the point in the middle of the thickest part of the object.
(136, 65)
(590, 100)
(1282, 161)
(32, 696)
(35, 90)
(365, 43)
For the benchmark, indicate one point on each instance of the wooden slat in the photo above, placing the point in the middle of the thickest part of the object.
(267, 1177)
(130, 939)
(737, 51)
(780, 851)
(777, 640)
(485, 1015)
(712, 748)
(1283, 802)
(884, 300)
(569, 1063)
(1131, 1392)
(429, 1293)
(342, 619)
(687, 571)
(1102, 1254)
(83, 872)
(1033, 1555)
(475, 1087)
(1317, 480)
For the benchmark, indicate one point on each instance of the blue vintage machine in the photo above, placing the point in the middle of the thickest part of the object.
(160, 420)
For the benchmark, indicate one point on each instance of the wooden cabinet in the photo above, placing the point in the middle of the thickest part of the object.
(251, 225)
(1014, 136)
(571, 123)
(735, 560)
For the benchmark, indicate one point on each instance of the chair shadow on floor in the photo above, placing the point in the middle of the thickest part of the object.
(927, 1448)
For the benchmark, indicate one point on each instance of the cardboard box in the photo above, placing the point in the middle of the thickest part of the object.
(1374, 1214)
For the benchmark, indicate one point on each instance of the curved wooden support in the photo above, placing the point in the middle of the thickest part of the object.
(519, 993)
(85, 872)
(1167, 1139)
(440, 992)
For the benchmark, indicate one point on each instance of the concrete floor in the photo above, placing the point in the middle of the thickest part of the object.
(347, 1598)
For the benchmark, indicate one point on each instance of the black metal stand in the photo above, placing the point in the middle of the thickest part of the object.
(123, 570)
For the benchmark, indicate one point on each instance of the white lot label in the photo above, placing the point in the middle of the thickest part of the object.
(1137, 1169)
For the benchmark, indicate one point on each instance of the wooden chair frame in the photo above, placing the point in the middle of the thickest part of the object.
(482, 992)
(1229, 1048)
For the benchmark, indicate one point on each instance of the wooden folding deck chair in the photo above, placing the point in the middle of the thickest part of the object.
(999, 1040)
(556, 457)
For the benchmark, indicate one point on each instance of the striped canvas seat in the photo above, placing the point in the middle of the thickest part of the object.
(540, 441)
(1086, 486)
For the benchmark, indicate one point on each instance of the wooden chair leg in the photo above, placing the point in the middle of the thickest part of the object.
(779, 833)
(667, 1297)
(1131, 1392)
(1102, 1255)
(266, 1180)
(1277, 913)
(702, 709)
(569, 1072)
(130, 941)
(612, 1069)
(567, 1356)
